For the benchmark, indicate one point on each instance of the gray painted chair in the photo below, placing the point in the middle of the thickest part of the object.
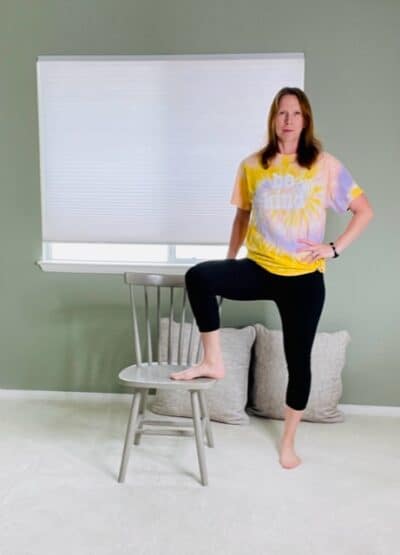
(153, 373)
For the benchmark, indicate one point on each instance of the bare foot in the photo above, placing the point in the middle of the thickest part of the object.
(288, 457)
(202, 370)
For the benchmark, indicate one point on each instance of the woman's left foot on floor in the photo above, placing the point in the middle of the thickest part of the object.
(288, 457)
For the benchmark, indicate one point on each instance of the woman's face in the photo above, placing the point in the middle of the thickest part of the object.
(289, 120)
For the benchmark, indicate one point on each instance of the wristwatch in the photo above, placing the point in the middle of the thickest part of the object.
(335, 253)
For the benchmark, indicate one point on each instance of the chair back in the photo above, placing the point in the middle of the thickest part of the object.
(157, 300)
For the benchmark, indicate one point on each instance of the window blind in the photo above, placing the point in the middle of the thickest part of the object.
(145, 149)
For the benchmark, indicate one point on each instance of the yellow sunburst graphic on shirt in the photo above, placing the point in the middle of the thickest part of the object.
(283, 168)
(312, 205)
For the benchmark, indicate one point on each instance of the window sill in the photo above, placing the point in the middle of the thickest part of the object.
(77, 267)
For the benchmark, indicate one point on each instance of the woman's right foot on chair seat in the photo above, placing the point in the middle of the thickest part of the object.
(202, 370)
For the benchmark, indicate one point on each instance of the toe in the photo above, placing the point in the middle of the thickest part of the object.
(179, 375)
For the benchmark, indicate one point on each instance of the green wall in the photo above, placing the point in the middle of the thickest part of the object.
(70, 331)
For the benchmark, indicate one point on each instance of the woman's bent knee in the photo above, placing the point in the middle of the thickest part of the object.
(204, 272)
(194, 275)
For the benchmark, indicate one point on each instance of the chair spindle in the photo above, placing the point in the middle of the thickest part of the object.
(136, 336)
(171, 317)
(158, 324)
(148, 325)
(181, 358)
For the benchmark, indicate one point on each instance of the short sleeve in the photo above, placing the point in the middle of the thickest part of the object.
(240, 195)
(342, 188)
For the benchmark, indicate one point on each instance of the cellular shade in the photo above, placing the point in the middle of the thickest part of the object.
(145, 149)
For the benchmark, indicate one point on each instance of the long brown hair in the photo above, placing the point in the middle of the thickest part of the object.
(308, 147)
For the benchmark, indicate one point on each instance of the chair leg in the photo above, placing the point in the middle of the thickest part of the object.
(130, 431)
(142, 408)
(204, 410)
(194, 397)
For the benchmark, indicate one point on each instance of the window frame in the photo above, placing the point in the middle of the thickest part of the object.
(173, 264)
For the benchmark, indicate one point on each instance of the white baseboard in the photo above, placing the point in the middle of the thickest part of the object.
(373, 410)
(118, 397)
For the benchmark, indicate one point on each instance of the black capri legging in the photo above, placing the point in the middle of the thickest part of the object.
(299, 300)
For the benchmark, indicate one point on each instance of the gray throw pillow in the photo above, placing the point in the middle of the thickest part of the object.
(270, 376)
(227, 399)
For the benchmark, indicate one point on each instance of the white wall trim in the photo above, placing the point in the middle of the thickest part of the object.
(109, 267)
(117, 397)
(373, 410)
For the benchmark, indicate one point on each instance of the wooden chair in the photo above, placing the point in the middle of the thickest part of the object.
(153, 373)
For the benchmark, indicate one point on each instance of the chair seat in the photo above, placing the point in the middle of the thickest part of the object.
(157, 376)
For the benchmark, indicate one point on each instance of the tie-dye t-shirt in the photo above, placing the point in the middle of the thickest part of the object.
(288, 202)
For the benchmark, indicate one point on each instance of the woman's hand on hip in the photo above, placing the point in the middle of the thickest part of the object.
(314, 251)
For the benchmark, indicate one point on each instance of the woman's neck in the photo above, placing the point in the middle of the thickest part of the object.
(287, 148)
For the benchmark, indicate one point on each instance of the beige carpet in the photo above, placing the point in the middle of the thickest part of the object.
(59, 495)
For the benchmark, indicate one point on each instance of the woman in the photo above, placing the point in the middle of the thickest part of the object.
(281, 194)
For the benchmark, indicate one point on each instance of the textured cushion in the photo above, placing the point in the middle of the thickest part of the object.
(227, 399)
(270, 377)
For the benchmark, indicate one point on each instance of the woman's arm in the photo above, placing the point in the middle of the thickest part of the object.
(362, 215)
(238, 233)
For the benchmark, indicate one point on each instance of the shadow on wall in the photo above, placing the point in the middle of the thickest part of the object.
(97, 345)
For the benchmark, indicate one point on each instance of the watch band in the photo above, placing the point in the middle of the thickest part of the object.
(335, 253)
